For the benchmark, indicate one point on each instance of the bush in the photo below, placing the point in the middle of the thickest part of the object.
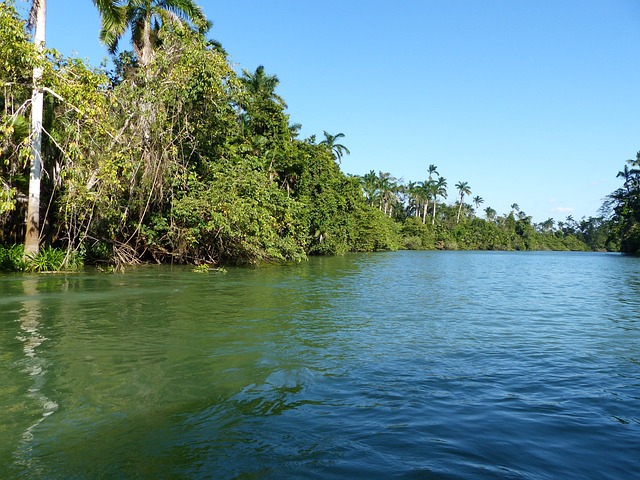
(49, 259)
(11, 258)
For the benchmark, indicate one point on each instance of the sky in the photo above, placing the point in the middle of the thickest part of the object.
(534, 102)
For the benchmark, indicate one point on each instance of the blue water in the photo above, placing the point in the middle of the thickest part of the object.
(395, 365)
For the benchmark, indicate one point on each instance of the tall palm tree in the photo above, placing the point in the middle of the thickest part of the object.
(385, 181)
(370, 183)
(438, 189)
(337, 149)
(547, 225)
(477, 200)
(412, 189)
(463, 188)
(425, 189)
(388, 192)
(37, 22)
(144, 18)
(428, 188)
(491, 213)
(630, 176)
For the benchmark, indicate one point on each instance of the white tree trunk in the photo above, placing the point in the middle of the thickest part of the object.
(32, 233)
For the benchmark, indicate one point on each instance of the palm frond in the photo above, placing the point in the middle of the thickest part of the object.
(188, 11)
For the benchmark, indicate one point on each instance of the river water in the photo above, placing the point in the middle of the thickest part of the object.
(430, 365)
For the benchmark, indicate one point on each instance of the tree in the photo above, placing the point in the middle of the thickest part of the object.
(412, 191)
(144, 18)
(547, 225)
(463, 188)
(438, 189)
(624, 204)
(262, 87)
(490, 213)
(263, 118)
(37, 20)
(630, 176)
(370, 185)
(425, 190)
(337, 149)
(477, 200)
(387, 186)
(428, 187)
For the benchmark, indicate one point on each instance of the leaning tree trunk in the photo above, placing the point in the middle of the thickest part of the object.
(32, 231)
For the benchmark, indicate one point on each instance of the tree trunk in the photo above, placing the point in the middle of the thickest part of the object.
(32, 231)
(433, 219)
(424, 213)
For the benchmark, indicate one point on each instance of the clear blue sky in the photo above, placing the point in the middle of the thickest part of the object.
(535, 102)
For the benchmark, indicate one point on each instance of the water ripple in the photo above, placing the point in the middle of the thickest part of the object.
(403, 365)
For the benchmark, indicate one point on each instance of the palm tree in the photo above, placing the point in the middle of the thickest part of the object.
(438, 188)
(337, 149)
(490, 212)
(385, 181)
(547, 225)
(38, 22)
(635, 162)
(412, 189)
(144, 18)
(261, 86)
(370, 184)
(477, 200)
(262, 108)
(630, 176)
(425, 189)
(463, 188)
(428, 187)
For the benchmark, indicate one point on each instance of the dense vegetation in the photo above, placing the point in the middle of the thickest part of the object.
(621, 210)
(175, 157)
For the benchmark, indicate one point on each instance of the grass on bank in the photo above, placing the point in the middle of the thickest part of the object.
(49, 259)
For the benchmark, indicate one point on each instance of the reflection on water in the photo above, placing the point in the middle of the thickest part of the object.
(405, 365)
(34, 366)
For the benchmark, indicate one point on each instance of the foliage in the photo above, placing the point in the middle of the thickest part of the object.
(52, 259)
(622, 211)
(11, 258)
(47, 260)
(17, 58)
(173, 157)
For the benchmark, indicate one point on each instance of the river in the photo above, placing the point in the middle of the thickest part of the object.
(430, 365)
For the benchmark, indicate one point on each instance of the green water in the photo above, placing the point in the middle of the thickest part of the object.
(406, 365)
